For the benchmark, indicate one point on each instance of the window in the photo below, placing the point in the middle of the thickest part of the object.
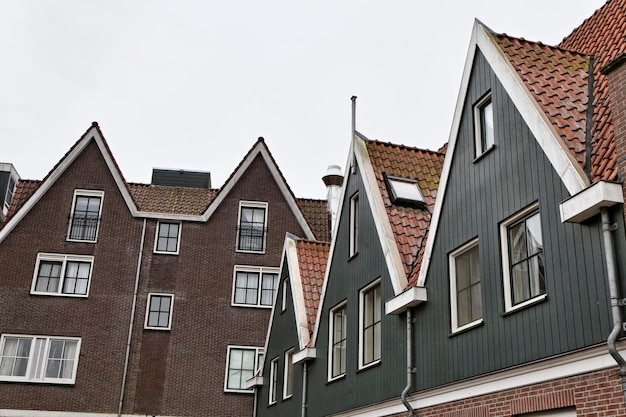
(465, 290)
(66, 275)
(252, 227)
(242, 363)
(338, 336)
(522, 252)
(167, 238)
(283, 306)
(370, 336)
(354, 224)
(483, 122)
(159, 311)
(404, 190)
(255, 286)
(85, 215)
(288, 385)
(38, 358)
(9, 195)
(273, 380)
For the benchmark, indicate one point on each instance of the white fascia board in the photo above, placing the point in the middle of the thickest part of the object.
(297, 293)
(386, 236)
(92, 133)
(590, 360)
(409, 298)
(165, 216)
(260, 149)
(548, 139)
(304, 355)
(255, 381)
(588, 202)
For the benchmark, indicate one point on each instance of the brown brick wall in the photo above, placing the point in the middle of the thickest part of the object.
(176, 372)
(595, 394)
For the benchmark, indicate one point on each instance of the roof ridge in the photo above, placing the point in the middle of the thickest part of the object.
(539, 43)
(402, 146)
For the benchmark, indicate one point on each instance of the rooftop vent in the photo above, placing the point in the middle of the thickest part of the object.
(181, 178)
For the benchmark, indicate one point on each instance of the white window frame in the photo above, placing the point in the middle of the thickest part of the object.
(362, 294)
(462, 250)
(156, 238)
(149, 303)
(479, 127)
(288, 375)
(331, 341)
(252, 204)
(38, 360)
(285, 288)
(8, 196)
(504, 239)
(354, 225)
(273, 387)
(260, 270)
(404, 190)
(64, 259)
(85, 193)
(258, 359)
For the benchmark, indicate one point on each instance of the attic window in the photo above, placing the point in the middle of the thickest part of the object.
(404, 191)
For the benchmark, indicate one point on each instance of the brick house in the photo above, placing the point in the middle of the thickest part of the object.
(141, 299)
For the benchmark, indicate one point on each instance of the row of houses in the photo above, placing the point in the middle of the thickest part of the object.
(485, 282)
(479, 280)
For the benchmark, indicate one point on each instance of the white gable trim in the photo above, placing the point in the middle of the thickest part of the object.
(260, 149)
(297, 292)
(91, 134)
(548, 139)
(386, 236)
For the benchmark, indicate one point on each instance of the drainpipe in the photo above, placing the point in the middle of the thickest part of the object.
(305, 369)
(132, 319)
(409, 363)
(611, 266)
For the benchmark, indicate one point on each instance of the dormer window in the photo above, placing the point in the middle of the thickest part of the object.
(9, 195)
(85, 215)
(404, 191)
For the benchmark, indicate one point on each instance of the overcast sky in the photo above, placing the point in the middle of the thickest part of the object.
(191, 84)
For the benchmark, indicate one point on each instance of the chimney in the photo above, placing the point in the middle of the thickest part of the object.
(333, 180)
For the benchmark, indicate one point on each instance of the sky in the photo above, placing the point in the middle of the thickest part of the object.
(192, 84)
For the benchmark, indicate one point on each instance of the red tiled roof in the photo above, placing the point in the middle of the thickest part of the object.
(171, 200)
(23, 191)
(410, 225)
(312, 257)
(316, 214)
(603, 36)
(558, 78)
(558, 81)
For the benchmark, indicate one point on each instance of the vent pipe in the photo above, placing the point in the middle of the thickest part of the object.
(333, 180)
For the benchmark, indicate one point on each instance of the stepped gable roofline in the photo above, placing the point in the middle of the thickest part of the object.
(306, 262)
(92, 134)
(260, 149)
(498, 51)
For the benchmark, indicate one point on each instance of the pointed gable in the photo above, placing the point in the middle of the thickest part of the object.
(409, 224)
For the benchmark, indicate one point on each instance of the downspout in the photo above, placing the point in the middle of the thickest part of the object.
(132, 319)
(305, 369)
(256, 393)
(611, 266)
(409, 363)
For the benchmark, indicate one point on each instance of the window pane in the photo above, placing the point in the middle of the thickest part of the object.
(268, 288)
(168, 237)
(48, 276)
(526, 259)
(85, 218)
(159, 311)
(371, 326)
(76, 277)
(252, 228)
(247, 287)
(240, 367)
(487, 126)
(468, 293)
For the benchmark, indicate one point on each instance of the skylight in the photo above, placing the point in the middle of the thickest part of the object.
(404, 190)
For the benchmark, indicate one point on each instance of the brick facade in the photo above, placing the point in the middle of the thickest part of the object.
(594, 394)
(170, 372)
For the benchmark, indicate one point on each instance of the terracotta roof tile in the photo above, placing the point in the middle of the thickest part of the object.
(558, 81)
(312, 257)
(410, 225)
(602, 36)
(171, 200)
(316, 214)
(24, 189)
